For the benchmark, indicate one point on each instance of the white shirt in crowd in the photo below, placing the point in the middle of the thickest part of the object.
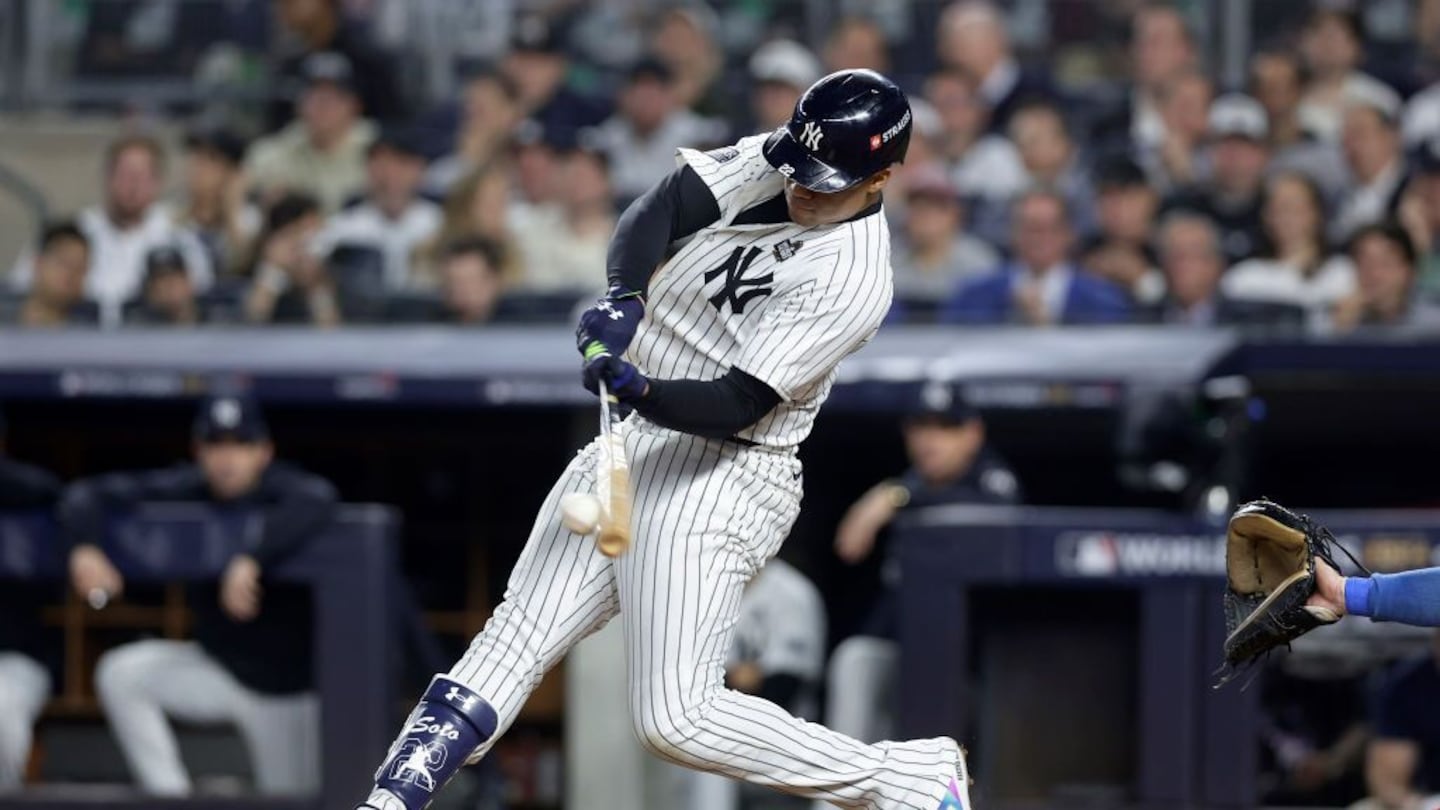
(1054, 288)
(117, 257)
(1367, 204)
(1276, 281)
(1421, 119)
(637, 162)
(555, 258)
(364, 225)
(990, 168)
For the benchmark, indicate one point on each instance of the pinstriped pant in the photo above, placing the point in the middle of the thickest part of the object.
(707, 515)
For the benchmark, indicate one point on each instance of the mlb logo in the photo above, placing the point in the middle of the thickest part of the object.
(875, 142)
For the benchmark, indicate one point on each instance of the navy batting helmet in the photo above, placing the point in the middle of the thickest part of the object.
(846, 127)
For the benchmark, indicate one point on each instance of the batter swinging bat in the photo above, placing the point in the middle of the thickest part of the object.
(612, 480)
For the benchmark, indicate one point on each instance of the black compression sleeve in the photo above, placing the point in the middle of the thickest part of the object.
(780, 689)
(674, 208)
(715, 409)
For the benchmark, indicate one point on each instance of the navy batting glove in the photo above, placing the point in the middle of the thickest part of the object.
(624, 380)
(611, 322)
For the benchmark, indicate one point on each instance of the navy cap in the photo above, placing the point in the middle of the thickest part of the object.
(163, 260)
(401, 140)
(535, 34)
(329, 66)
(650, 67)
(222, 142)
(942, 400)
(230, 417)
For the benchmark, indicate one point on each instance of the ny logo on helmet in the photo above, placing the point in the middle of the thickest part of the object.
(811, 136)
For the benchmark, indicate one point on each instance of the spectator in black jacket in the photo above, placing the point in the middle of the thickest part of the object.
(57, 292)
(24, 680)
(320, 25)
(1192, 261)
(1231, 193)
(973, 37)
(250, 661)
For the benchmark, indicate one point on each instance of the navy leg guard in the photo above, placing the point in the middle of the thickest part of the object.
(446, 727)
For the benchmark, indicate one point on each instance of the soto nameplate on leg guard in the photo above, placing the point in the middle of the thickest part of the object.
(445, 728)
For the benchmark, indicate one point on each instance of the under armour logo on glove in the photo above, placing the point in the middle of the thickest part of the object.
(611, 322)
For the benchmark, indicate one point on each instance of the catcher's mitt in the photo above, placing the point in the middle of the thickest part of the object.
(1270, 562)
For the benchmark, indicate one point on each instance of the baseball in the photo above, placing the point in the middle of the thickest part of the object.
(580, 512)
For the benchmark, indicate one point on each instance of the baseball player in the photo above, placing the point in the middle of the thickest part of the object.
(726, 351)
(1409, 597)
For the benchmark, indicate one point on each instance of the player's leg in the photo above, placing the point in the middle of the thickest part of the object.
(560, 591)
(861, 688)
(24, 688)
(707, 515)
(141, 685)
(283, 735)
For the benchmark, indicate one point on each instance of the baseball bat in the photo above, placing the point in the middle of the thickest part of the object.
(612, 480)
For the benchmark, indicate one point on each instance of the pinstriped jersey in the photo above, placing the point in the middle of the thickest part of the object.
(781, 302)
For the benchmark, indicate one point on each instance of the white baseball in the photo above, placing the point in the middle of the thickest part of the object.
(580, 512)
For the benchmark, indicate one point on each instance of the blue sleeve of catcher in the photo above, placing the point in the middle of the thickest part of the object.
(1410, 597)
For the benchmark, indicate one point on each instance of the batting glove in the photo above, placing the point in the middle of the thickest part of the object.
(610, 322)
(624, 380)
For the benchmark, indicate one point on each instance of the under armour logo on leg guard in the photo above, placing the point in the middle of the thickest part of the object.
(447, 726)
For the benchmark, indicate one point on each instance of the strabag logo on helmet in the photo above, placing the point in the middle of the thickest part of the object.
(892, 131)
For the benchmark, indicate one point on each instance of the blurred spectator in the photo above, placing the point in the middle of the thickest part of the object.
(934, 252)
(1420, 214)
(126, 225)
(1294, 264)
(777, 653)
(479, 205)
(1333, 45)
(1229, 194)
(684, 40)
(563, 247)
(490, 115)
(471, 288)
(856, 42)
(291, 283)
(950, 463)
(24, 680)
(1191, 258)
(1052, 160)
(1175, 160)
(780, 71)
(1276, 81)
(251, 660)
(985, 167)
(168, 297)
(650, 124)
(215, 208)
(1039, 286)
(973, 38)
(1385, 271)
(321, 152)
(1373, 153)
(319, 26)
(1402, 761)
(1421, 119)
(393, 219)
(1162, 48)
(537, 163)
(539, 67)
(1119, 250)
(57, 289)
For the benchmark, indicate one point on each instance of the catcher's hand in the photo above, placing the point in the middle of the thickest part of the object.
(1271, 555)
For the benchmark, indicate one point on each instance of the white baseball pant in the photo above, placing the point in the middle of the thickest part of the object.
(707, 515)
(24, 688)
(144, 685)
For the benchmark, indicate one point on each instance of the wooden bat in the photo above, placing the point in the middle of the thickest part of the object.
(612, 480)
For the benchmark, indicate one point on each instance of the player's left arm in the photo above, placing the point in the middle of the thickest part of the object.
(1409, 597)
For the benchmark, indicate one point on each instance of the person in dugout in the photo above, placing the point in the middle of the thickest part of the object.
(24, 678)
(249, 663)
(950, 463)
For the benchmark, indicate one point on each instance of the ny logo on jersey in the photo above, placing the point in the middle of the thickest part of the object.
(736, 289)
(811, 136)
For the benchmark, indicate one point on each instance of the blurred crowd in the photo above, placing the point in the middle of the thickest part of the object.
(1307, 198)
